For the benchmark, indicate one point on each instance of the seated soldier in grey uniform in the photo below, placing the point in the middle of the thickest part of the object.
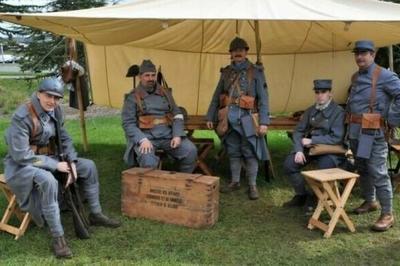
(151, 121)
(322, 123)
(31, 164)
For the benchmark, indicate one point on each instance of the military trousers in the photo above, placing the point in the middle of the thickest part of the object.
(296, 179)
(374, 177)
(238, 147)
(46, 190)
(185, 153)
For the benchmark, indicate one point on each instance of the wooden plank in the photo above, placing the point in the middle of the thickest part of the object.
(318, 224)
(330, 174)
(9, 229)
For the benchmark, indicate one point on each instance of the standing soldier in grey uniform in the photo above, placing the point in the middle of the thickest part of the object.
(242, 93)
(152, 121)
(322, 123)
(31, 163)
(374, 102)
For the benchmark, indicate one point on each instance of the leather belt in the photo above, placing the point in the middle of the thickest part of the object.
(357, 119)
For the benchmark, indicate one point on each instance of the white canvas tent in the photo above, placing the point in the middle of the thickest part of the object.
(300, 40)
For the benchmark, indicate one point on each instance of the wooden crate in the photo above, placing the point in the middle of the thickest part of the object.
(186, 199)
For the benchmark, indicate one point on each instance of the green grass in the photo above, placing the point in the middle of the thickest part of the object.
(247, 233)
(13, 92)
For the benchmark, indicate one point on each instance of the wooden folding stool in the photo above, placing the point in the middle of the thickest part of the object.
(324, 183)
(204, 146)
(12, 208)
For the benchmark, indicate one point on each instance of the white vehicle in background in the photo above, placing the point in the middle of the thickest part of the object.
(7, 58)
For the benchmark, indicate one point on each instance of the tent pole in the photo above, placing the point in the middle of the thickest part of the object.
(258, 41)
(391, 58)
(74, 56)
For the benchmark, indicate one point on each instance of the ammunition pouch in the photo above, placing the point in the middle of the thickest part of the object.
(150, 121)
(371, 121)
(246, 102)
(44, 150)
(224, 100)
(367, 120)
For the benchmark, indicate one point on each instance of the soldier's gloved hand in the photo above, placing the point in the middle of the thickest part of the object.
(210, 125)
(63, 167)
(262, 130)
(175, 142)
(306, 142)
(145, 146)
(300, 158)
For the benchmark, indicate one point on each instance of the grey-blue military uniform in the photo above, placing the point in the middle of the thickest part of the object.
(373, 170)
(30, 176)
(324, 126)
(155, 103)
(238, 142)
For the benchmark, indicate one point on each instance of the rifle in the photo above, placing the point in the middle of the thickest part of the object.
(71, 192)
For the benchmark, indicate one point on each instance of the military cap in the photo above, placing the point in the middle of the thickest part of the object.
(364, 45)
(322, 84)
(52, 86)
(147, 66)
(132, 71)
(238, 43)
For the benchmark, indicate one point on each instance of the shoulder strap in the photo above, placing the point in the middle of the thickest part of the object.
(138, 97)
(168, 95)
(250, 77)
(375, 76)
(354, 78)
(35, 119)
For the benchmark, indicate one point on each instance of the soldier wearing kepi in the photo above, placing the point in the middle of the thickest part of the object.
(31, 163)
(373, 103)
(152, 121)
(322, 123)
(240, 107)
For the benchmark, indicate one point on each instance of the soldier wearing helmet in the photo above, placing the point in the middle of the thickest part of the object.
(31, 163)
(241, 102)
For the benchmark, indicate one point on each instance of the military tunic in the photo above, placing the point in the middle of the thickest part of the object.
(156, 104)
(323, 127)
(373, 171)
(30, 176)
(238, 142)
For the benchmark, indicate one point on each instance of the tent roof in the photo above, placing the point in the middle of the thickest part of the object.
(207, 26)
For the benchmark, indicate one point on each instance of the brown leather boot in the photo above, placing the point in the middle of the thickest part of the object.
(253, 193)
(99, 219)
(60, 248)
(384, 222)
(366, 207)
(232, 186)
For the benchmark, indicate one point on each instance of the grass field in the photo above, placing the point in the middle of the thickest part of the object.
(258, 232)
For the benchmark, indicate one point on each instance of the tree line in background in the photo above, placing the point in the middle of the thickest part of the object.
(35, 58)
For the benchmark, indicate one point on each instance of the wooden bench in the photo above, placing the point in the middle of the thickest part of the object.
(12, 209)
(324, 183)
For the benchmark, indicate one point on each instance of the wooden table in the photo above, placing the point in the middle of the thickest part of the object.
(324, 183)
(198, 122)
